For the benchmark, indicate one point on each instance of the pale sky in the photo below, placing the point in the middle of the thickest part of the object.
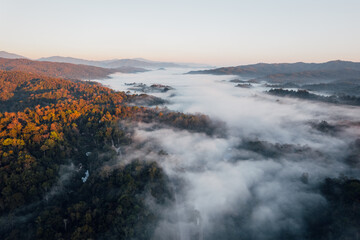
(223, 32)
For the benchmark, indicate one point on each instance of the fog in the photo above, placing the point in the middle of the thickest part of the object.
(261, 180)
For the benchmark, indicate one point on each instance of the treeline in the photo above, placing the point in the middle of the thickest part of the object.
(304, 94)
(53, 132)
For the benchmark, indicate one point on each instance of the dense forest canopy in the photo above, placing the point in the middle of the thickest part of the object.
(53, 133)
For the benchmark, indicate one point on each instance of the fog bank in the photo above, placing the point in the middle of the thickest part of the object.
(261, 180)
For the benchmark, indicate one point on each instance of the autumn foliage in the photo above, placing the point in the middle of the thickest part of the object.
(51, 124)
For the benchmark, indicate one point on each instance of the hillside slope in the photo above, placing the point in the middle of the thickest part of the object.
(65, 70)
(59, 177)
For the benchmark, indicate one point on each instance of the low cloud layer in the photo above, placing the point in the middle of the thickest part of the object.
(261, 180)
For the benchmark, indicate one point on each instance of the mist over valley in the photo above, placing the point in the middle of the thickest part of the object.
(180, 120)
(265, 171)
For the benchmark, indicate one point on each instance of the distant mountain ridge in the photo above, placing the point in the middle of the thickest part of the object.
(111, 63)
(4, 54)
(299, 72)
(116, 63)
(277, 68)
(68, 60)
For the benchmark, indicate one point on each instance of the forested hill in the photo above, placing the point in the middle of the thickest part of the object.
(65, 70)
(57, 138)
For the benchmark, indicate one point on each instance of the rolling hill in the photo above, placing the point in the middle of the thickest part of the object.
(65, 70)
